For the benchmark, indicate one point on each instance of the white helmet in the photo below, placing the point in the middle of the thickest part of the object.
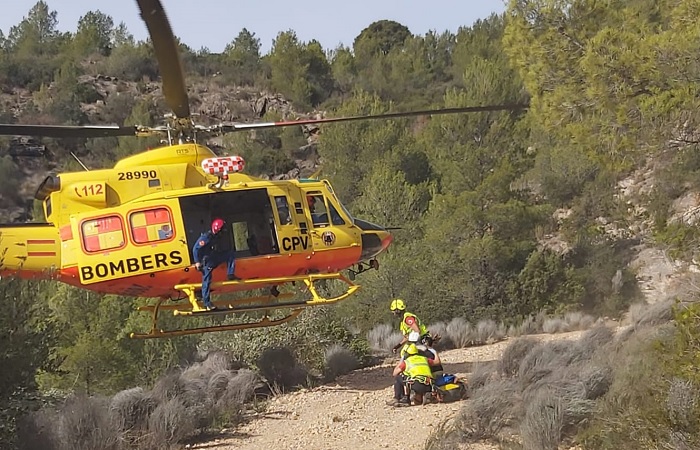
(413, 336)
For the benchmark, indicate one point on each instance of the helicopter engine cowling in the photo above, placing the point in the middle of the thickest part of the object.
(222, 166)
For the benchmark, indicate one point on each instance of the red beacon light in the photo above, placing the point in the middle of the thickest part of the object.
(222, 166)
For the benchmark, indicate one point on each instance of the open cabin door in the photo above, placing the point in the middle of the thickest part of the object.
(129, 241)
(248, 214)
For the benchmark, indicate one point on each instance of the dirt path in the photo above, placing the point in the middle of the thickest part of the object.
(352, 413)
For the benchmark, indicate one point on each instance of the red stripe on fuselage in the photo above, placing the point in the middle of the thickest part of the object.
(160, 284)
(41, 253)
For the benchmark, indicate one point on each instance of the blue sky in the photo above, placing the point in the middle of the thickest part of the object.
(214, 23)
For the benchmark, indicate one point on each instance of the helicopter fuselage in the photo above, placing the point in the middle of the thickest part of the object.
(130, 230)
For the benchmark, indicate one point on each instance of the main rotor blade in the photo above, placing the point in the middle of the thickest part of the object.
(228, 127)
(67, 131)
(168, 56)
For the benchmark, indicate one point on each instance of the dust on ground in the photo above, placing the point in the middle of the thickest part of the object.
(351, 412)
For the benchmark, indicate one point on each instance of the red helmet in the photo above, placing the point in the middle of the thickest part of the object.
(217, 225)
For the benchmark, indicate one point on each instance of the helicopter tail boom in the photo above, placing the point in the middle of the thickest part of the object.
(29, 250)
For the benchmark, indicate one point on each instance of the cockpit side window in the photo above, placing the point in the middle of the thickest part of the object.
(317, 208)
(336, 219)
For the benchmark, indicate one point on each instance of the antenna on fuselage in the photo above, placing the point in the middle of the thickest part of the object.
(79, 161)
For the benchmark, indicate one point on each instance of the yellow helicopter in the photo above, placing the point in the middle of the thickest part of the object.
(130, 229)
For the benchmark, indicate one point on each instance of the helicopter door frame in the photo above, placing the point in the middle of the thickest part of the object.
(291, 225)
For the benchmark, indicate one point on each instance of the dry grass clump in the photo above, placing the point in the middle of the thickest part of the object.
(514, 354)
(84, 424)
(496, 406)
(541, 428)
(171, 422)
(555, 325)
(572, 321)
(382, 338)
(461, 332)
(440, 329)
(280, 369)
(682, 402)
(644, 315)
(578, 321)
(528, 326)
(179, 406)
(129, 409)
(482, 374)
(488, 332)
(339, 361)
(541, 391)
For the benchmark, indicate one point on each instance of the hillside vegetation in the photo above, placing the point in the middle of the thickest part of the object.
(503, 215)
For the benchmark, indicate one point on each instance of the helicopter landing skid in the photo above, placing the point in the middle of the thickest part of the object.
(271, 302)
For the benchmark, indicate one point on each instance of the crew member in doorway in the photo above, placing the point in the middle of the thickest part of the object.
(208, 255)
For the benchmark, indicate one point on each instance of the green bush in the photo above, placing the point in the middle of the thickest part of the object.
(306, 337)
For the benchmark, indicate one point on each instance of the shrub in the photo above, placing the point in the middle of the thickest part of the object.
(84, 424)
(682, 403)
(491, 408)
(307, 337)
(542, 426)
(487, 332)
(339, 361)
(170, 423)
(631, 413)
(543, 359)
(593, 340)
(167, 387)
(382, 338)
(578, 321)
(460, 332)
(482, 374)
(279, 367)
(651, 315)
(218, 383)
(530, 325)
(240, 388)
(129, 409)
(440, 329)
(555, 325)
(514, 354)
(180, 403)
(37, 431)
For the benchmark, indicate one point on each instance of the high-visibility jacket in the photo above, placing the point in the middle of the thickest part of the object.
(405, 329)
(417, 366)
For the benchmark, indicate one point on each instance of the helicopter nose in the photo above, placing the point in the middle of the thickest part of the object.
(375, 239)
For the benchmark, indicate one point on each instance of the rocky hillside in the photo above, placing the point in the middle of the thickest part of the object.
(211, 102)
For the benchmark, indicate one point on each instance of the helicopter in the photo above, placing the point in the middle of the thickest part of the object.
(129, 230)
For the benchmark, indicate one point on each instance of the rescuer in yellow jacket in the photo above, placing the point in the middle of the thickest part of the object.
(416, 373)
(409, 322)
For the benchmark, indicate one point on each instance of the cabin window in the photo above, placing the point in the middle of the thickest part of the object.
(151, 225)
(104, 233)
(283, 210)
